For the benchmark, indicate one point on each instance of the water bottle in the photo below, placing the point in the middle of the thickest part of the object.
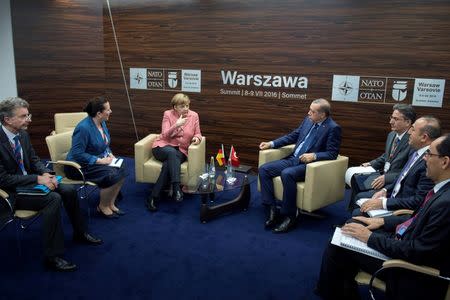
(212, 169)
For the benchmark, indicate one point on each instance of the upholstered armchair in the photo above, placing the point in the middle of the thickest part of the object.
(67, 121)
(324, 181)
(148, 168)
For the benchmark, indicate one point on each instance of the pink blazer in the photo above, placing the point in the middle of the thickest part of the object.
(178, 136)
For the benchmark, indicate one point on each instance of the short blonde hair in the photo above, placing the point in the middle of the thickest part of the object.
(180, 98)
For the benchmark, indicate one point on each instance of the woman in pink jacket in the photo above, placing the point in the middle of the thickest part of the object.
(180, 128)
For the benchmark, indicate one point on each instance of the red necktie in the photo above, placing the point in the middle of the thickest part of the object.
(401, 228)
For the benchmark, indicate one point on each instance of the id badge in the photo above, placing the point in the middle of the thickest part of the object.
(387, 166)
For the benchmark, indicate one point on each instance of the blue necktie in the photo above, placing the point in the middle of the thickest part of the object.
(18, 153)
(309, 140)
(403, 173)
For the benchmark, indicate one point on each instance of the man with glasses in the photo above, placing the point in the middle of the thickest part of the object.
(411, 184)
(423, 238)
(20, 166)
(387, 166)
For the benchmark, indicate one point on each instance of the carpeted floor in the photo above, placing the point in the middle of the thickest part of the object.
(171, 255)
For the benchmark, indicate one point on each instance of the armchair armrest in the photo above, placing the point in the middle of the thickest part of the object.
(142, 153)
(5, 197)
(72, 164)
(400, 212)
(196, 159)
(274, 154)
(399, 263)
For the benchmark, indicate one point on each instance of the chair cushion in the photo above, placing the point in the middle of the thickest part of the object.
(152, 168)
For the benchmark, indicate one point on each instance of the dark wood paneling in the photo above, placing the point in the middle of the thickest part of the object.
(315, 39)
(61, 63)
(59, 58)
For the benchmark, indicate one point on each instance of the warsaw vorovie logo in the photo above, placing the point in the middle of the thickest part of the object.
(172, 79)
(399, 90)
(345, 88)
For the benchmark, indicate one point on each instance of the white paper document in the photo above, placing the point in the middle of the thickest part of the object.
(354, 244)
(374, 212)
(357, 170)
(117, 163)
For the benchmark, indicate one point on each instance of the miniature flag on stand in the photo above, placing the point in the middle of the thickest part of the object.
(220, 157)
(234, 158)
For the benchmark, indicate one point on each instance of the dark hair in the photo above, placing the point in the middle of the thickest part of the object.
(8, 105)
(95, 105)
(443, 148)
(407, 111)
(432, 128)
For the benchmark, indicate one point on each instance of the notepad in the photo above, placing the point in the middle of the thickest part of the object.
(116, 163)
(354, 244)
(374, 212)
(35, 190)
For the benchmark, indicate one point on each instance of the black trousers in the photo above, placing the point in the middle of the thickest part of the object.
(50, 207)
(172, 158)
(339, 267)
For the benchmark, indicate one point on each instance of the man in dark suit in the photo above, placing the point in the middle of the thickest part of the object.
(423, 238)
(317, 138)
(20, 166)
(388, 165)
(412, 184)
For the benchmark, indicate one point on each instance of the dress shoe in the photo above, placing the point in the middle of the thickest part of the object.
(88, 239)
(178, 196)
(56, 263)
(274, 216)
(111, 216)
(151, 203)
(119, 212)
(287, 224)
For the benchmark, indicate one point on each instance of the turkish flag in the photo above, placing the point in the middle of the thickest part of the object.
(234, 158)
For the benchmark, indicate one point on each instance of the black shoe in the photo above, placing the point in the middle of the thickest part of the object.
(274, 217)
(178, 196)
(56, 263)
(111, 216)
(151, 204)
(88, 239)
(287, 224)
(120, 212)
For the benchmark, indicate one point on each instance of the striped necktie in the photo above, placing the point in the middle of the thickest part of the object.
(394, 147)
(18, 153)
(401, 228)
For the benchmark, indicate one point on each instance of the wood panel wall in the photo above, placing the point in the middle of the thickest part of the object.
(314, 39)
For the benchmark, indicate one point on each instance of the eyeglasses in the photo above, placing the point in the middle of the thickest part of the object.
(25, 117)
(183, 106)
(395, 118)
(428, 153)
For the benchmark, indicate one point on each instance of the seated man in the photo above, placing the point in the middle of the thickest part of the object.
(317, 138)
(412, 184)
(388, 165)
(19, 166)
(422, 239)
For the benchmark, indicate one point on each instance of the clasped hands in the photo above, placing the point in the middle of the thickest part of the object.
(106, 160)
(360, 231)
(376, 202)
(48, 180)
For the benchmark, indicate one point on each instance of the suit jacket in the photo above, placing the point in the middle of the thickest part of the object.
(427, 240)
(11, 175)
(413, 188)
(88, 143)
(181, 137)
(328, 139)
(398, 160)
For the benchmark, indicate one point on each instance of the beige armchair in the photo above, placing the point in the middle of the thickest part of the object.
(148, 168)
(324, 181)
(67, 121)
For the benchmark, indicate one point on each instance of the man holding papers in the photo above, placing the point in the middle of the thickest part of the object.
(19, 166)
(389, 164)
(412, 184)
(423, 238)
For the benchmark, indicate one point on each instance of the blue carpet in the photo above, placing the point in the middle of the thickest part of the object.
(171, 255)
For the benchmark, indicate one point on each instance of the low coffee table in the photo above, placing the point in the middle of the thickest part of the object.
(207, 188)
